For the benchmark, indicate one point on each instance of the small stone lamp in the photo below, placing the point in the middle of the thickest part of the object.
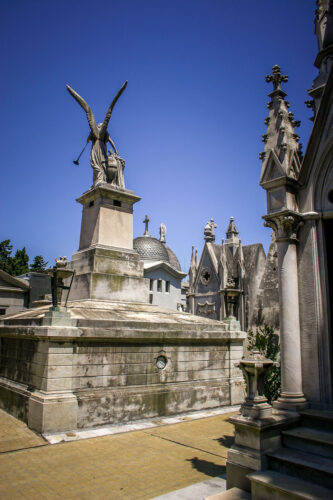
(255, 368)
(58, 315)
(58, 274)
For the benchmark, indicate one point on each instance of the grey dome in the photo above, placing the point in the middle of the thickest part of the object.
(150, 249)
(173, 258)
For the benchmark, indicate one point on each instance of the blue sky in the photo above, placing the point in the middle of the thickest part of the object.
(189, 124)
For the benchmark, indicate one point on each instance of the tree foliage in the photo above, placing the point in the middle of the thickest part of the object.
(5, 256)
(39, 264)
(266, 341)
(19, 263)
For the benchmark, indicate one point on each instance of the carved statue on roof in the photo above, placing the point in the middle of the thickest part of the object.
(209, 231)
(162, 232)
(106, 167)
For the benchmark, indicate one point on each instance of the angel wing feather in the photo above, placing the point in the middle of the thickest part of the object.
(109, 111)
(86, 107)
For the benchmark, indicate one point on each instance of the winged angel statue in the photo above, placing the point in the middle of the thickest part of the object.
(107, 167)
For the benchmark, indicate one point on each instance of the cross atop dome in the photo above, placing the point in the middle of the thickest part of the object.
(146, 222)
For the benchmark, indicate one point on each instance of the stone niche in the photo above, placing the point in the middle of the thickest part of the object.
(116, 363)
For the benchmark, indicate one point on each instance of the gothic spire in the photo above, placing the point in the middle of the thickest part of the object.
(232, 239)
(281, 157)
(223, 270)
(231, 228)
(193, 268)
(324, 33)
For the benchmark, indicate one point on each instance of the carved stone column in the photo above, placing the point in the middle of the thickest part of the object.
(285, 225)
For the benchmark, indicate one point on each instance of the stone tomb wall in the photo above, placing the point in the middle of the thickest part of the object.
(116, 381)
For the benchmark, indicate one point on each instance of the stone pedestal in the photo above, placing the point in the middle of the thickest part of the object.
(106, 266)
(58, 316)
(253, 439)
(257, 429)
(107, 217)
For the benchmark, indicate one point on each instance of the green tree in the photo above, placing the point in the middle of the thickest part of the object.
(39, 264)
(266, 341)
(6, 260)
(20, 262)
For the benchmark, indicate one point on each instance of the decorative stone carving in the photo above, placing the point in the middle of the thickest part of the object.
(162, 232)
(231, 283)
(206, 309)
(255, 369)
(276, 77)
(209, 231)
(206, 276)
(61, 262)
(285, 225)
(106, 168)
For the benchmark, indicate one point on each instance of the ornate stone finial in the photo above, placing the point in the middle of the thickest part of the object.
(209, 231)
(146, 222)
(162, 232)
(276, 77)
(231, 228)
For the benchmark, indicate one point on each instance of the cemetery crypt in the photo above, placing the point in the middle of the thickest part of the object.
(107, 355)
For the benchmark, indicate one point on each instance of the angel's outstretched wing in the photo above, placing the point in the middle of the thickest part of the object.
(109, 111)
(86, 107)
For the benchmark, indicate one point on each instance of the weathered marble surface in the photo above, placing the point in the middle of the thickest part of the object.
(103, 368)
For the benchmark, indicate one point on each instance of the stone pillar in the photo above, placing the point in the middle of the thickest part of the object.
(106, 265)
(285, 226)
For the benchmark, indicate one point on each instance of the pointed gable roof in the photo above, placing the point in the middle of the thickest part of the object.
(281, 157)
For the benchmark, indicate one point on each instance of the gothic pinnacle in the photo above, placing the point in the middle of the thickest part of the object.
(276, 78)
(281, 142)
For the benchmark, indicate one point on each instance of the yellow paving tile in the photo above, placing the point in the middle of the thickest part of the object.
(134, 465)
(15, 435)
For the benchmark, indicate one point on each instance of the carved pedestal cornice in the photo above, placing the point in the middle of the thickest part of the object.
(285, 225)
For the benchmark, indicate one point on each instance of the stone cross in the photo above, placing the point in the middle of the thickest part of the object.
(276, 77)
(146, 221)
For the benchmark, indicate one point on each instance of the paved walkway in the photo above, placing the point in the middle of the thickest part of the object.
(140, 464)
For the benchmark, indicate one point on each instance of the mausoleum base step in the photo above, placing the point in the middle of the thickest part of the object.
(273, 485)
(309, 440)
(232, 494)
(317, 419)
(302, 465)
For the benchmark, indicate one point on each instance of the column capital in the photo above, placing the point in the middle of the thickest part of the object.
(285, 225)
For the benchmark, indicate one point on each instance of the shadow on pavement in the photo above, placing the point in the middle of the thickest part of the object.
(226, 441)
(208, 468)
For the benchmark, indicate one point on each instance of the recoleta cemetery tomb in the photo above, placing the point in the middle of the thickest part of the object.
(102, 353)
(106, 352)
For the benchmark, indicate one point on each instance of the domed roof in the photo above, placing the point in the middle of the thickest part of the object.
(150, 248)
(173, 258)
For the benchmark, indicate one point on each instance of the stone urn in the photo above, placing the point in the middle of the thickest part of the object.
(255, 369)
